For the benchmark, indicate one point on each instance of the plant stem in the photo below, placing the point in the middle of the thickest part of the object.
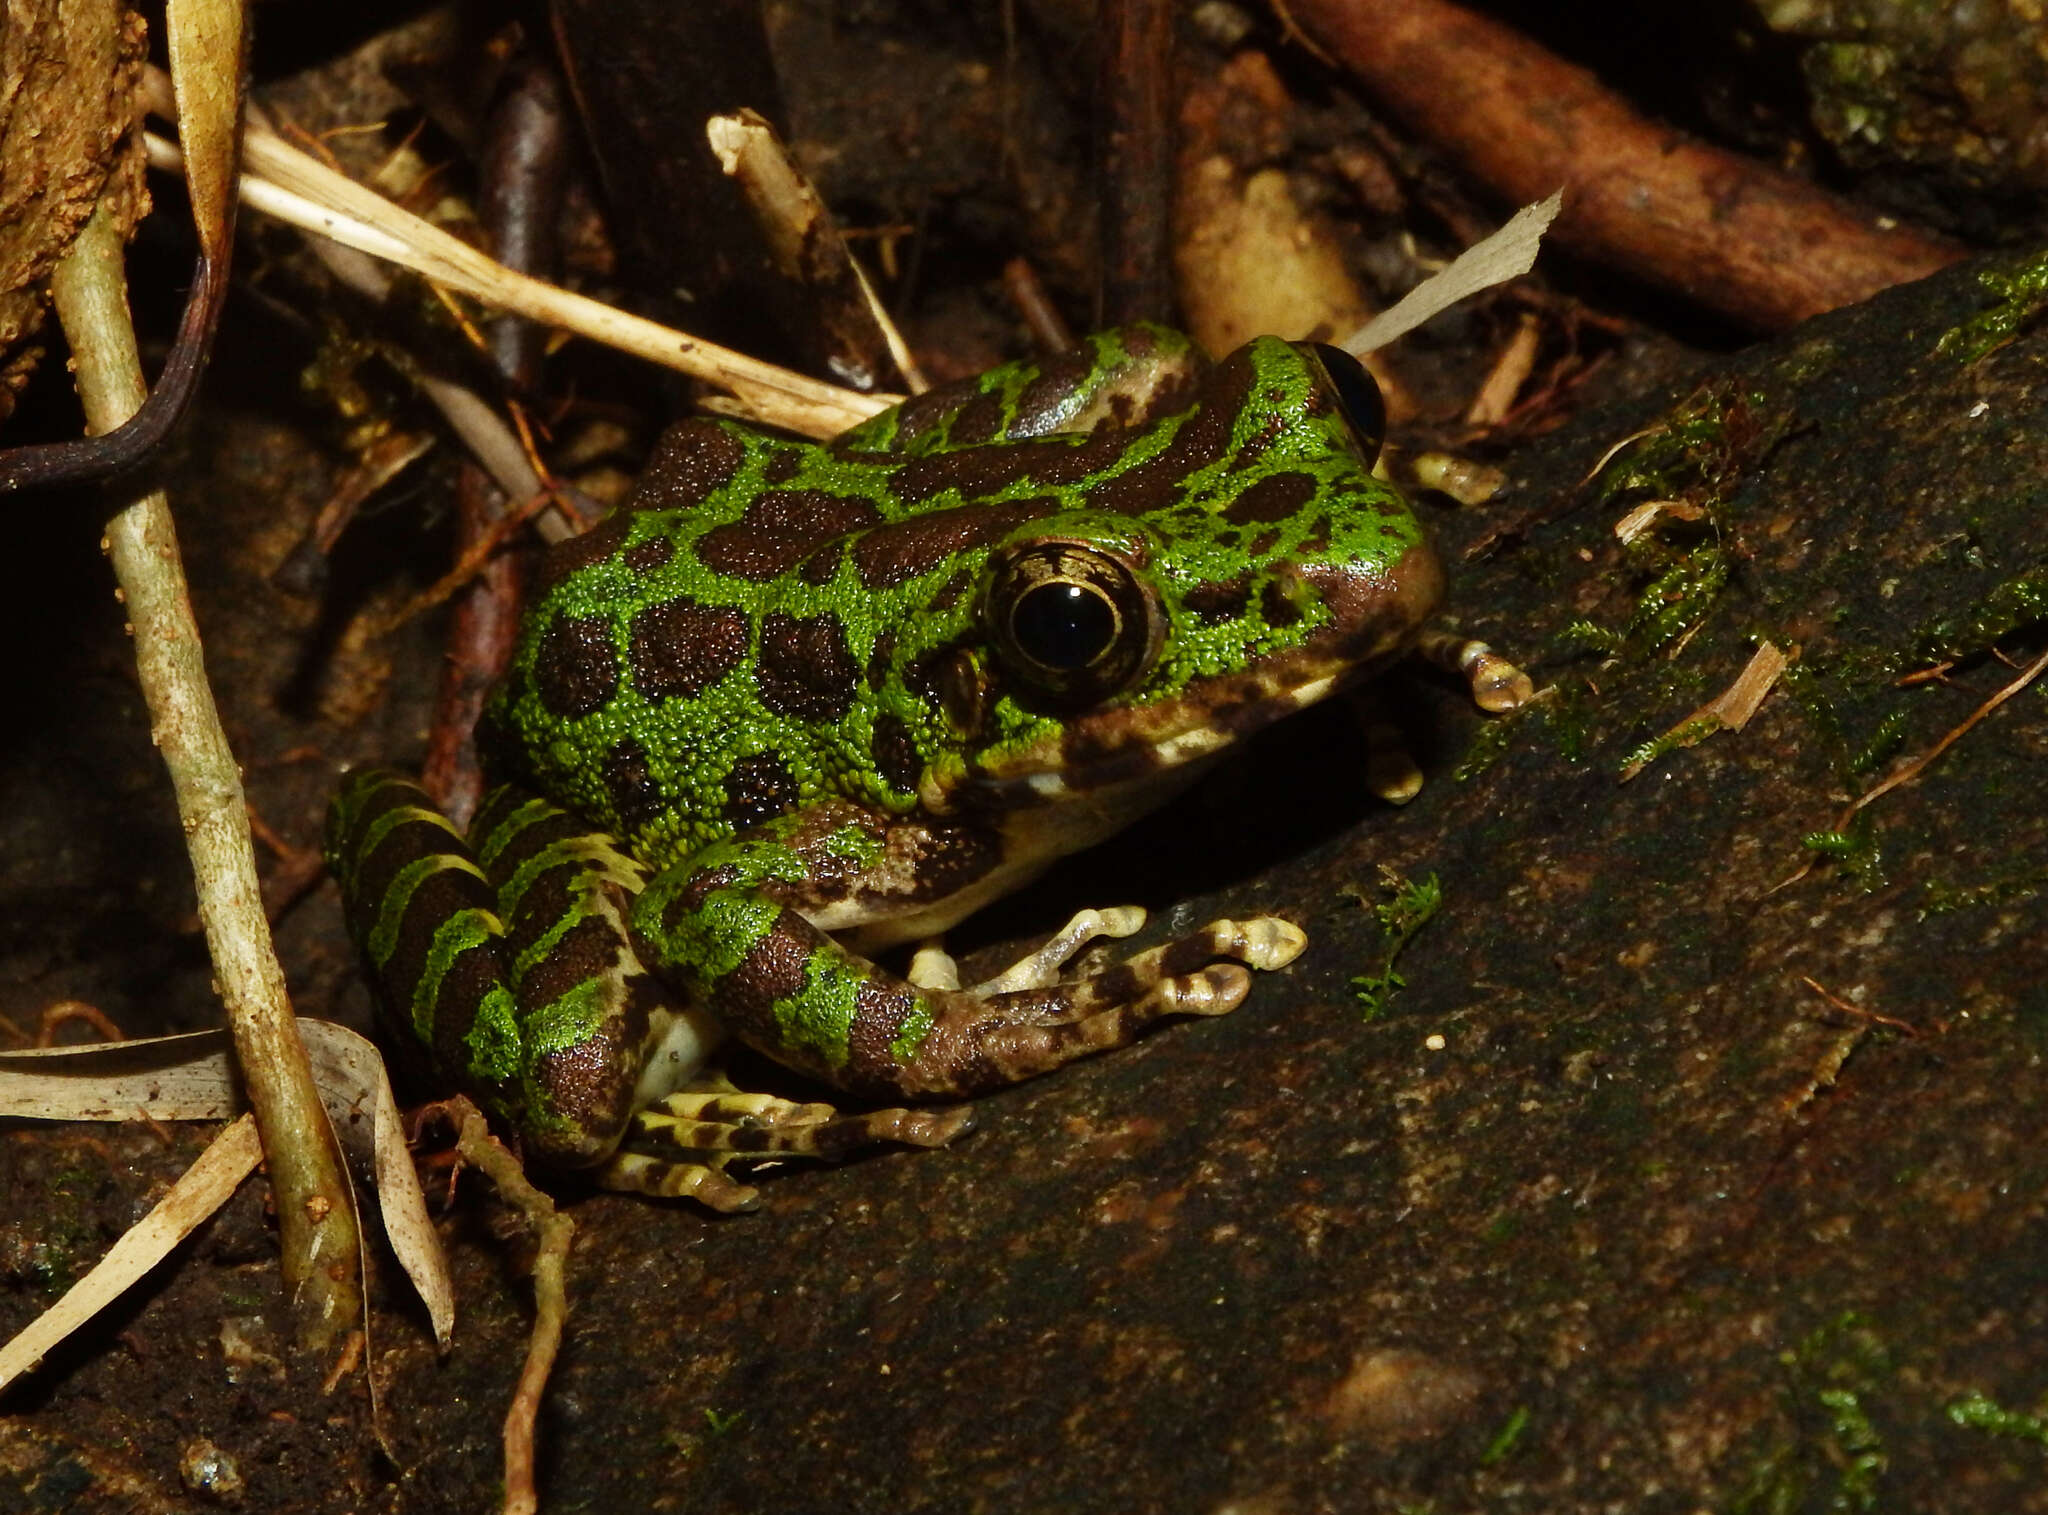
(315, 1217)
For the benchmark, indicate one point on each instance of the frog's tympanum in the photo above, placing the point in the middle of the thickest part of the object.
(794, 704)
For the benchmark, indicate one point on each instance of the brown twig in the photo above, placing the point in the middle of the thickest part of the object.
(1838, 1003)
(1912, 768)
(525, 174)
(553, 1231)
(476, 556)
(855, 337)
(479, 646)
(1906, 772)
(1028, 297)
(1135, 155)
(75, 1010)
(1760, 246)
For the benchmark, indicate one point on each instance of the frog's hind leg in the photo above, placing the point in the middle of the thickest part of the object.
(682, 1144)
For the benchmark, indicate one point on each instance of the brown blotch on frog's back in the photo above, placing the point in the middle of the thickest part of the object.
(979, 473)
(949, 594)
(1279, 610)
(779, 529)
(1059, 377)
(805, 671)
(628, 777)
(783, 464)
(898, 552)
(1276, 498)
(593, 546)
(924, 413)
(693, 460)
(880, 657)
(681, 647)
(1154, 486)
(1254, 447)
(979, 420)
(575, 666)
(758, 788)
(649, 556)
(895, 754)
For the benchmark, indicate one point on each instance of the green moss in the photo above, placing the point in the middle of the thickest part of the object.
(1939, 897)
(1685, 734)
(1488, 746)
(1676, 598)
(1582, 636)
(2021, 292)
(1506, 1439)
(1980, 1412)
(1410, 909)
(1855, 848)
(1883, 744)
(1835, 1458)
(2010, 604)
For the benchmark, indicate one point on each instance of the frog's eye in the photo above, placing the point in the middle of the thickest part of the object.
(1358, 396)
(1070, 621)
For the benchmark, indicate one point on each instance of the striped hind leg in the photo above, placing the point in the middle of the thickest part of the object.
(510, 961)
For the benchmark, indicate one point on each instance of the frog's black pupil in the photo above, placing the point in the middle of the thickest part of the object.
(1065, 626)
(1359, 396)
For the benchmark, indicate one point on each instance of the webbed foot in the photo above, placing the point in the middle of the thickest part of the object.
(982, 1038)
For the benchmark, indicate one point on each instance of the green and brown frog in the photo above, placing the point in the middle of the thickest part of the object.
(794, 704)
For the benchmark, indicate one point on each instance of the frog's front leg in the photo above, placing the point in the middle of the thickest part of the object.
(734, 924)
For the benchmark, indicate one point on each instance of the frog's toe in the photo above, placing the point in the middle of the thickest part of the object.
(678, 1146)
(907, 1128)
(1497, 685)
(671, 1178)
(1042, 968)
(1263, 942)
(1266, 941)
(718, 1102)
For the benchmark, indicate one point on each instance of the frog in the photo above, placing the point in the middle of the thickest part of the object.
(795, 704)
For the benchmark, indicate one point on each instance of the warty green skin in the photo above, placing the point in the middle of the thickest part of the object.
(779, 678)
